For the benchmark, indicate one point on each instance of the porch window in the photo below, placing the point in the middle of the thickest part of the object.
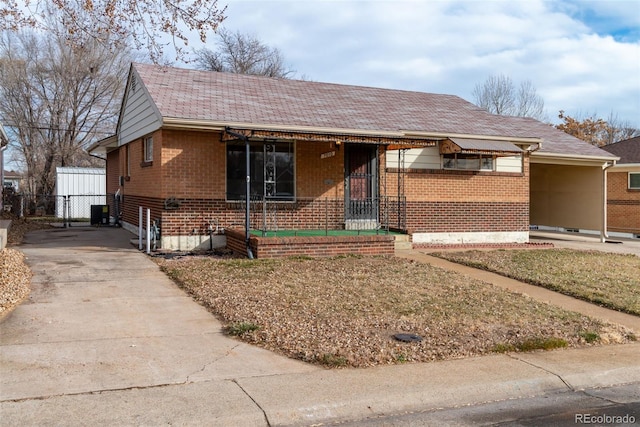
(272, 171)
(462, 161)
(634, 180)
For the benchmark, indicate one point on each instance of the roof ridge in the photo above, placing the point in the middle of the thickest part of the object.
(301, 81)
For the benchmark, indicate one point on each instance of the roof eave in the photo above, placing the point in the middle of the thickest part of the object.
(211, 125)
(442, 135)
(625, 167)
(571, 159)
(103, 146)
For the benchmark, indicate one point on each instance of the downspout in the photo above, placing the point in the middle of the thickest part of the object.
(530, 150)
(247, 189)
(603, 232)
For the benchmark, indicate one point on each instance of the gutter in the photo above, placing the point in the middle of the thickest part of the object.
(576, 157)
(603, 232)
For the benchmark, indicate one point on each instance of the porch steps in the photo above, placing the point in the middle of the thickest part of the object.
(403, 241)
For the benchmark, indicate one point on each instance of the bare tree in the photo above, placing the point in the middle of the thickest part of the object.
(619, 130)
(150, 24)
(498, 95)
(242, 54)
(57, 98)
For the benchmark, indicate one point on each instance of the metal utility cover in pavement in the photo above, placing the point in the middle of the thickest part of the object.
(408, 337)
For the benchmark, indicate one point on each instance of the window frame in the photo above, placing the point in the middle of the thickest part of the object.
(258, 177)
(147, 151)
(629, 186)
(456, 157)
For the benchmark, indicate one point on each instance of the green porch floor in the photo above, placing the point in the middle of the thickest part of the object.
(315, 233)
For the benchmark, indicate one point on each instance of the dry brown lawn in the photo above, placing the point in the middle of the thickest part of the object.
(607, 279)
(345, 311)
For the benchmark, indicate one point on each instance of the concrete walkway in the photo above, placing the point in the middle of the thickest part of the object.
(106, 339)
(536, 292)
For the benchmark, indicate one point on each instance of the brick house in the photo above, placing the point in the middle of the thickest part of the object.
(332, 156)
(623, 188)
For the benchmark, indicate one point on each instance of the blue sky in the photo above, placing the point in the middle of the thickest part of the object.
(582, 56)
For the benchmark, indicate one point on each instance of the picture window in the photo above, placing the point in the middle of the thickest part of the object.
(272, 171)
(459, 161)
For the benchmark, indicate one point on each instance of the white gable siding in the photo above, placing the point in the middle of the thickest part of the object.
(140, 116)
(416, 158)
(509, 164)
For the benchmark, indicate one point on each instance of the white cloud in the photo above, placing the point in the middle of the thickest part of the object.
(449, 46)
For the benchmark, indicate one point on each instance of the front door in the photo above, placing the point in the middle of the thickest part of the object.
(361, 186)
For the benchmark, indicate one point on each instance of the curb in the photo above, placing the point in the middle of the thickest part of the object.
(353, 394)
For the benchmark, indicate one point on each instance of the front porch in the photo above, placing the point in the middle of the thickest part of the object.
(318, 227)
(308, 244)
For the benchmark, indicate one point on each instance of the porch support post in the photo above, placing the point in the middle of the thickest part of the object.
(247, 210)
(247, 188)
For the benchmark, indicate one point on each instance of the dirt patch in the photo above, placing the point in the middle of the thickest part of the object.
(15, 278)
(15, 275)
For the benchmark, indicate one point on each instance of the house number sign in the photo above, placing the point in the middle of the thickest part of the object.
(327, 155)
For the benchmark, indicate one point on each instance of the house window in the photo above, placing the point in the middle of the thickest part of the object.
(634, 180)
(468, 162)
(147, 149)
(272, 171)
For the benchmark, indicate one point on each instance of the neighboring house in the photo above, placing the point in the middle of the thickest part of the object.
(12, 179)
(623, 188)
(325, 155)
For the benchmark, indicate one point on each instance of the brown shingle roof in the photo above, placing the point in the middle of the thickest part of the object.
(225, 97)
(628, 150)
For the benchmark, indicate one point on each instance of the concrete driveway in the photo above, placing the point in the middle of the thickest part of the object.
(587, 242)
(105, 319)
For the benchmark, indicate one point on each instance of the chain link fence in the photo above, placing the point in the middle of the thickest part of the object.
(81, 209)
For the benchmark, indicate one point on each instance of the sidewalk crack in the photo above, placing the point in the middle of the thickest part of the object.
(264, 413)
(216, 360)
(569, 386)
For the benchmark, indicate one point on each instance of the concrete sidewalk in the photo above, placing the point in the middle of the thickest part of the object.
(107, 339)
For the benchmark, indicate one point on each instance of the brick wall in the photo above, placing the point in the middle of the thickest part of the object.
(193, 165)
(317, 176)
(113, 171)
(190, 167)
(623, 205)
(464, 201)
(456, 216)
(322, 246)
(145, 178)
